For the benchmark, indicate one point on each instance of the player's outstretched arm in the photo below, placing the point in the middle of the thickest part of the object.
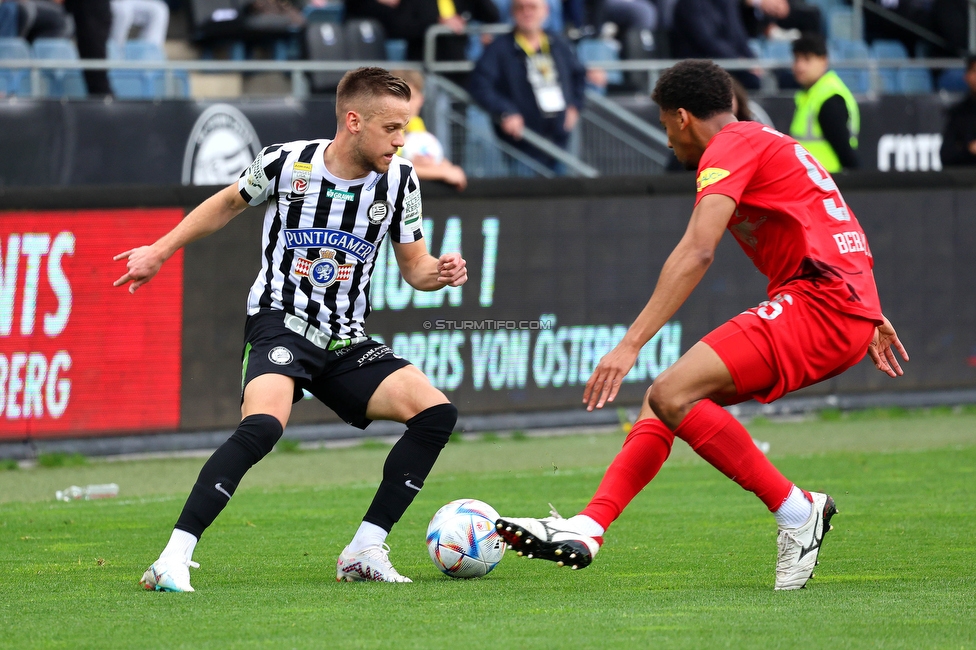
(882, 350)
(425, 272)
(210, 216)
(682, 272)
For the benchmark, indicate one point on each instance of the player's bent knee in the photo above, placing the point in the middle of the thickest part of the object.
(258, 434)
(662, 399)
(433, 427)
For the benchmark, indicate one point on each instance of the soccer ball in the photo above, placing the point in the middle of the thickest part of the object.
(462, 540)
(422, 143)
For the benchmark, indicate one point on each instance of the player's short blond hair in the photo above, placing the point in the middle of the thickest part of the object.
(360, 87)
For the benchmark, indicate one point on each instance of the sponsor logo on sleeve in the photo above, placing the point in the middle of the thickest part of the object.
(412, 208)
(710, 176)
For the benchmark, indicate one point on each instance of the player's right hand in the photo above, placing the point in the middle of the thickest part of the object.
(604, 383)
(142, 264)
(880, 349)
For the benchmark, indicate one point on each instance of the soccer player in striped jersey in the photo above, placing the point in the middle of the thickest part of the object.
(329, 203)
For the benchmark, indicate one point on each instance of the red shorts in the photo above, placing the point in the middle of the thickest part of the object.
(788, 343)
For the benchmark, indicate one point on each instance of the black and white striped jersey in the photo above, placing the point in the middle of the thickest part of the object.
(322, 233)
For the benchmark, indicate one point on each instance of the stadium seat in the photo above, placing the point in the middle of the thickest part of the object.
(396, 49)
(482, 159)
(756, 45)
(858, 80)
(884, 49)
(325, 42)
(595, 50)
(914, 81)
(365, 40)
(840, 24)
(953, 80)
(60, 83)
(15, 81)
(330, 13)
(779, 51)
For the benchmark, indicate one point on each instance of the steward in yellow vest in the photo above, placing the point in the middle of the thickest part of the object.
(827, 119)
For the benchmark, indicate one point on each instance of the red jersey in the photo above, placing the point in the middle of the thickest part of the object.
(790, 218)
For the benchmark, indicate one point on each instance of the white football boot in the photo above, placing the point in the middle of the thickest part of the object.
(551, 538)
(168, 574)
(372, 563)
(798, 548)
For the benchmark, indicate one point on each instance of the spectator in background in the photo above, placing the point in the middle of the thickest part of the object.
(530, 79)
(771, 18)
(959, 138)
(827, 119)
(93, 22)
(421, 147)
(712, 29)
(32, 19)
(950, 20)
(409, 19)
(150, 16)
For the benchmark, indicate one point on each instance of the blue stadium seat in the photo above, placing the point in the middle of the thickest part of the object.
(330, 13)
(481, 158)
(780, 51)
(840, 24)
(595, 50)
(396, 49)
(915, 81)
(60, 83)
(15, 81)
(858, 80)
(953, 80)
(883, 49)
(756, 45)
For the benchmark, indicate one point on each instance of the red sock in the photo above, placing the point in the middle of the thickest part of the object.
(718, 438)
(646, 448)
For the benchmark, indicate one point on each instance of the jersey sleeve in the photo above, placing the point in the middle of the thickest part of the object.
(726, 167)
(408, 218)
(258, 182)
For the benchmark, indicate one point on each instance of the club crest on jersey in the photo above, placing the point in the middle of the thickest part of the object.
(710, 176)
(327, 238)
(378, 211)
(300, 176)
(324, 271)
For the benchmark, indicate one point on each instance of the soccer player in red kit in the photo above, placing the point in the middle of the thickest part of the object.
(822, 316)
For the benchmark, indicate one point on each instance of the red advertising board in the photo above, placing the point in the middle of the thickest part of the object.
(77, 355)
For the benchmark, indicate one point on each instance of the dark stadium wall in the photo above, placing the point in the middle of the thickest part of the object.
(76, 143)
(557, 271)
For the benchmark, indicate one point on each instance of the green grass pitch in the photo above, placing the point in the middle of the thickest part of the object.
(689, 565)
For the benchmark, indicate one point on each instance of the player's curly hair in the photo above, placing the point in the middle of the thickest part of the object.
(362, 85)
(696, 85)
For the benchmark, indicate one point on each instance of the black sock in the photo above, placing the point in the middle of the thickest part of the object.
(409, 463)
(256, 435)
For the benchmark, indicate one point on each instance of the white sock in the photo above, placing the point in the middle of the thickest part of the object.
(586, 525)
(181, 545)
(795, 511)
(367, 535)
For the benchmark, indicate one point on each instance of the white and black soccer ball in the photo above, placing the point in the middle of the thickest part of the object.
(462, 540)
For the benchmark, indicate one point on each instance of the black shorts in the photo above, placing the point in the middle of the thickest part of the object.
(342, 379)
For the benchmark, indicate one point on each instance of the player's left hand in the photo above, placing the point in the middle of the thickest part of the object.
(452, 270)
(881, 350)
(604, 383)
